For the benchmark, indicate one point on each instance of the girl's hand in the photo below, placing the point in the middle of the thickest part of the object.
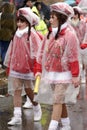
(75, 81)
(37, 74)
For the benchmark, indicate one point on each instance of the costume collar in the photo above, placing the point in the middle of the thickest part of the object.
(63, 28)
(20, 33)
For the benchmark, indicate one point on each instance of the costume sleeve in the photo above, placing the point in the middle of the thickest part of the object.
(74, 67)
(37, 68)
(83, 46)
(73, 51)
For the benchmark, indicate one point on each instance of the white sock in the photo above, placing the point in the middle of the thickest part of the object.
(53, 124)
(65, 121)
(17, 112)
(37, 107)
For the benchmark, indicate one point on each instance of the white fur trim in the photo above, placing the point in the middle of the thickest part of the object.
(19, 33)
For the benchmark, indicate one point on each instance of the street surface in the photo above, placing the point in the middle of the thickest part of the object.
(77, 113)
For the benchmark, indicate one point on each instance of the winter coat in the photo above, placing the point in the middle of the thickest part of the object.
(8, 25)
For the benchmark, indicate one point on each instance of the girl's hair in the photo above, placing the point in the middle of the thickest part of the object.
(23, 19)
(61, 20)
(77, 13)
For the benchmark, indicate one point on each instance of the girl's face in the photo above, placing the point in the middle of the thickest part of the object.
(29, 4)
(21, 24)
(39, 7)
(54, 21)
(75, 16)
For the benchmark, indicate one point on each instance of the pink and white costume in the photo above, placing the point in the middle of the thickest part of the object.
(60, 62)
(22, 53)
(21, 56)
(60, 58)
(80, 30)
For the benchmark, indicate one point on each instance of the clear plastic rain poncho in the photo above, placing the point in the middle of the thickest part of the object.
(20, 58)
(21, 54)
(83, 5)
(84, 49)
(57, 56)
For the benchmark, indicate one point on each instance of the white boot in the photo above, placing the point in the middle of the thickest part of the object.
(53, 125)
(37, 112)
(66, 127)
(65, 124)
(28, 104)
(16, 119)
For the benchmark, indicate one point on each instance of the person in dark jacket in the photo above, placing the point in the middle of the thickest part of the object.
(7, 29)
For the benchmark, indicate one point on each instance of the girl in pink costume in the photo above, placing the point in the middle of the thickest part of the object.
(83, 6)
(20, 60)
(60, 66)
(80, 29)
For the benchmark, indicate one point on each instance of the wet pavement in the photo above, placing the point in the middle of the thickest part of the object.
(77, 114)
(6, 112)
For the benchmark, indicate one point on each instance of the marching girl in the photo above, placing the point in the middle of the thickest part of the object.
(60, 66)
(20, 60)
(80, 29)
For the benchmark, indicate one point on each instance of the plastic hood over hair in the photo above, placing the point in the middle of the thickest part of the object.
(29, 15)
(78, 9)
(62, 8)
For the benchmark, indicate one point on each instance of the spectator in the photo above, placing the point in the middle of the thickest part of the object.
(41, 28)
(8, 27)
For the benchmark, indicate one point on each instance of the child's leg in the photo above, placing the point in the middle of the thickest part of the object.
(17, 100)
(59, 109)
(28, 103)
(56, 116)
(65, 119)
(36, 106)
(30, 94)
(64, 111)
(17, 109)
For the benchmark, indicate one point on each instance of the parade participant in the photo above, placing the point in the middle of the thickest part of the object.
(80, 29)
(83, 6)
(60, 66)
(83, 58)
(20, 61)
(41, 28)
(78, 25)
